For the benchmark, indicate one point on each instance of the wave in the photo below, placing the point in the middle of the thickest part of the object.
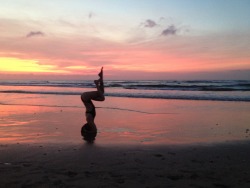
(192, 85)
(153, 95)
(218, 90)
(76, 84)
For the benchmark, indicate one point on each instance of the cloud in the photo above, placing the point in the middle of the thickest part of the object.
(34, 34)
(90, 15)
(149, 23)
(171, 30)
(161, 19)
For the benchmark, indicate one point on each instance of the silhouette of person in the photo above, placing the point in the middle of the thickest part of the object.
(89, 130)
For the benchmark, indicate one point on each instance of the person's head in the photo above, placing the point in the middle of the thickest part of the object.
(88, 133)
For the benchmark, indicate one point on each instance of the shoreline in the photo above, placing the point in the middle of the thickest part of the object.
(171, 97)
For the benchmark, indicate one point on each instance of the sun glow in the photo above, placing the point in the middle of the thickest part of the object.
(24, 65)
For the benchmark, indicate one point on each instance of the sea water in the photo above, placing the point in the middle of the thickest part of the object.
(218, 90)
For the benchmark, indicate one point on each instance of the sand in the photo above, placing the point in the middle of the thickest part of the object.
(85, 165)
(58, 119)
(147, 143)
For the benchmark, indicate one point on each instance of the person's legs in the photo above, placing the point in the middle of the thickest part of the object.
(99, 83)
(95, 95)
(100, 86)
(100, 90)
(92, 95)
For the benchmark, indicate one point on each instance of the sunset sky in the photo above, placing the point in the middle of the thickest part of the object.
(132, 39)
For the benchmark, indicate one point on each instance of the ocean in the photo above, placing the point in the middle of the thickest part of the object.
(216, 90)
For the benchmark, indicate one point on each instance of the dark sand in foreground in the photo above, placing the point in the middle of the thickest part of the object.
(223, 165)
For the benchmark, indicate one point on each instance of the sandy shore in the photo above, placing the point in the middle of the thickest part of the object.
(140, 143)
(58, 119)
(85, 165)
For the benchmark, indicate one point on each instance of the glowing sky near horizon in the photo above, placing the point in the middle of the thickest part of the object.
(77, 37)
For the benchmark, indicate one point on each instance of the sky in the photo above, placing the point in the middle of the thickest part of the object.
(142, 39)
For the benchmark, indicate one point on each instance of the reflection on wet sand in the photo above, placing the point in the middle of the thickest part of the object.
(183, 122)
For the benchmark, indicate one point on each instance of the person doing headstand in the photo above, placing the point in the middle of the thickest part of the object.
(87, 98)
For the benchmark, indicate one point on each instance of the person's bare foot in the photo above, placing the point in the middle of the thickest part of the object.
(101, 73)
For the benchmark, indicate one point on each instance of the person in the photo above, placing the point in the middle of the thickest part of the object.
(87, 97)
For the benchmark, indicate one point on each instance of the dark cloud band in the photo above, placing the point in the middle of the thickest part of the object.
(34, 33)
(171, 30)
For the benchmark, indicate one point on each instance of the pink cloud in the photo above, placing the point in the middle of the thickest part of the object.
(162, 54)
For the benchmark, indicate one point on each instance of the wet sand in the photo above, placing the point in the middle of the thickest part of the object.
(58, 119)
(147, 143)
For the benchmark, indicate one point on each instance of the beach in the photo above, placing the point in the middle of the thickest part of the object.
(224, 165)
(124, 94)
(140, 143)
